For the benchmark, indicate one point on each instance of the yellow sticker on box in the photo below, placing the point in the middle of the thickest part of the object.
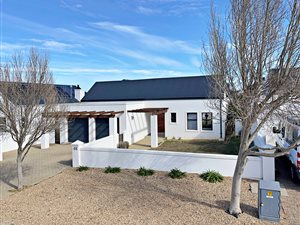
(269, 194)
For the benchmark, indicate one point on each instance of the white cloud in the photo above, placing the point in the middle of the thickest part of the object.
(152, 41)
(85, 70)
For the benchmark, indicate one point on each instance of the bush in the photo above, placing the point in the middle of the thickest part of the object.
(82, 168)
(176, 174)
(112, 169)
(145, 172)
(123, 144)
(212, 176)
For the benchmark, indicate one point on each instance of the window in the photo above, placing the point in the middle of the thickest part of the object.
(173, 117)
(207, 121)
(2, 124)
(192, 121)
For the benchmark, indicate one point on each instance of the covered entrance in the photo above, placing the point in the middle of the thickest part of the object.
(157, 121)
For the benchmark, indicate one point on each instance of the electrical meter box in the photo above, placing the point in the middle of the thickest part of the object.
(269, 200)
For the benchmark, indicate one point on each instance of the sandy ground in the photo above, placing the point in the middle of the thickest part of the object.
(93, 197)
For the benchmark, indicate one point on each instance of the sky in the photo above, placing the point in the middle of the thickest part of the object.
(100, 40)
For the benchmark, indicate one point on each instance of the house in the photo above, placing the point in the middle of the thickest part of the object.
(132, 109)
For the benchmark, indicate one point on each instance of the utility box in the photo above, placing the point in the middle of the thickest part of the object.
(269, 200)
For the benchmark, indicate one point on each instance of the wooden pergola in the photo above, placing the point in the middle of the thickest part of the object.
(88, 114)
(153, 111)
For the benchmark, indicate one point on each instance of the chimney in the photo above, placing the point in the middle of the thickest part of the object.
(79, 93)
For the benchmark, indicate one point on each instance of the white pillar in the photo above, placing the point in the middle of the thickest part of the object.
(268, 167)
(76, 157)
(154, 131)
(113, 126)
(45, 141)
(1, 150)
(92, 129)
(64, 131)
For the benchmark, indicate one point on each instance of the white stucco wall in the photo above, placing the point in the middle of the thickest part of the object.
(91, 156)
(181, 108)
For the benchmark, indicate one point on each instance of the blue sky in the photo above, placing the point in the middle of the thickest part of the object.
(98, 40)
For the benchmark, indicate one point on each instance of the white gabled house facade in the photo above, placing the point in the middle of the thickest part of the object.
(133, 109)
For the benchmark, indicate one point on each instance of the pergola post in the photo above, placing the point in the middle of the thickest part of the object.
(1, 149)
(45, 141)
(113, 127)
(64, 131)
(154, 131)
(92, 129)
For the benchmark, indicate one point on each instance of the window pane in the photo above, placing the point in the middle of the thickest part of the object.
(173, 117)
(207, 121)
(192, 121)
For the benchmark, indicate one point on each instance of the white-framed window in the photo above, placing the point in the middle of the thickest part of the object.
(173, 117)
(2, 124)
(192, 121)
(207, 121)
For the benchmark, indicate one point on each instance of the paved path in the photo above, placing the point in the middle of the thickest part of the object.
(37, 166)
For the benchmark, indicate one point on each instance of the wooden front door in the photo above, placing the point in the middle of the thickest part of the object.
(161, 123)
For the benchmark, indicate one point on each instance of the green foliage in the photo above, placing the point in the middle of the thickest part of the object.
(112, 169)
(82, 168)
(145, 172)
(212, 176)
(176, 174)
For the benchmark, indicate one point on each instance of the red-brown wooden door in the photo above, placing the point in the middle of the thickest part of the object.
(161, 123)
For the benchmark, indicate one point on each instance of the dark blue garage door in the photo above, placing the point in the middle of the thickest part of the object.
(102, 128)
(78, 129)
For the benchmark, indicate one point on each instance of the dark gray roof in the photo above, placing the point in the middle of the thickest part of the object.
(196, 87)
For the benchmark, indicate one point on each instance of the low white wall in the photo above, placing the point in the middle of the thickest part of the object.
(162, 160)
(8, 144)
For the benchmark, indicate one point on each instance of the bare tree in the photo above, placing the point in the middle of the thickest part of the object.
(254, 56)
(28, 102)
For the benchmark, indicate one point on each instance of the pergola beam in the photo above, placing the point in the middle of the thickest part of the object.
(88, 114)
(153, 111)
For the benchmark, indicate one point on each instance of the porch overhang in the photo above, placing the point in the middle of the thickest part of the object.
(153, 111)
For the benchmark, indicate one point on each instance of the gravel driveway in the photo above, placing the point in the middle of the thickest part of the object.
(93, 197)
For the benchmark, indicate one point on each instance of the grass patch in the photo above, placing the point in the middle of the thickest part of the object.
(202, 146)
(112, 169)
(212, 176)
(82, 168)
(176, 174)
(145, 172)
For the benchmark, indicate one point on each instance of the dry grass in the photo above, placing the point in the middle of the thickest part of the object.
(94, 197)
(202, 146)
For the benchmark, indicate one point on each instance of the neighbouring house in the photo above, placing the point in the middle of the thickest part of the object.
(67, 94)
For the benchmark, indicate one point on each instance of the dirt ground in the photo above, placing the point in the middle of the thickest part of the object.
(201, 146)
(93, 197)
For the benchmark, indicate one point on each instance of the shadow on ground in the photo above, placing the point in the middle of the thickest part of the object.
(9, 173)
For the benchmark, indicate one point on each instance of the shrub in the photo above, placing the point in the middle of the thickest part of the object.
(123, 144)
(112, 169)
(212, 176)
(145, 172)
(82, 168)
(176, 174)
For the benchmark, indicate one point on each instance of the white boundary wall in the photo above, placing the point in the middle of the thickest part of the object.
(92, 156)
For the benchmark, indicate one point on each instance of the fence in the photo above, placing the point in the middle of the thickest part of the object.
(91, 155)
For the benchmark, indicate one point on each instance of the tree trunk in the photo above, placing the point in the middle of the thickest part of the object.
(20, 170)
(234, 208)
